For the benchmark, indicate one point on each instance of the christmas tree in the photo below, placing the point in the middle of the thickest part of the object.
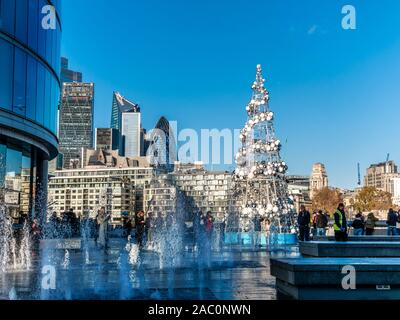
(260, 185)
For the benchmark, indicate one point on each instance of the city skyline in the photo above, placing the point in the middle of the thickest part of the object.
(318, 74)
(147, 159)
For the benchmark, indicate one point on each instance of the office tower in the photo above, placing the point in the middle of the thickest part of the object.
(107, 139)
(162, 145)
(121, 105)
(76, 121)
(68, 75)
(130, 133)
(29, 92)
(126, 118)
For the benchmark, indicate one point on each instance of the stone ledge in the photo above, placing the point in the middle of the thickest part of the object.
(61, 244)
(328, 271)
(286, 290)
(350, 249)
(361, 238)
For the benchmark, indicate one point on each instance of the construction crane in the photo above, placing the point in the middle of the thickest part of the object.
(359, 174)
(387, 157)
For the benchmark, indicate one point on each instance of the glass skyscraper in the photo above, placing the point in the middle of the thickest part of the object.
(126, 118)
(29, 92)
(76, 121)
(131, 134)
(68, 75)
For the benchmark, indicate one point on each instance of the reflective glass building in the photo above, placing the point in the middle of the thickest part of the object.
(29, 94)
(68, 75)
(126, 118)
(162, 145)
(76, 121)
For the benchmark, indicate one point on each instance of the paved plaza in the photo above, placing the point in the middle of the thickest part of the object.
(234, 272)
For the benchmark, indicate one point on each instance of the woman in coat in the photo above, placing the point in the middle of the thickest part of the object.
(370, 224)
(102, 221)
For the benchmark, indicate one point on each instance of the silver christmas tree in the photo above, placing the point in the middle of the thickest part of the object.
(259, 179)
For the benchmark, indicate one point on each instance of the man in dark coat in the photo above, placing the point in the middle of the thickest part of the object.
(391, 223)
(303, 220)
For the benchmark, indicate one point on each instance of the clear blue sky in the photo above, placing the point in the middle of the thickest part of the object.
(335, 92)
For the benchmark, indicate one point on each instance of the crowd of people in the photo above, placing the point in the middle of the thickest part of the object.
(318, 223)
(148, 227)
(69, 225)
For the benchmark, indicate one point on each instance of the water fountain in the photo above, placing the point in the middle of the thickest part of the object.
(124, 271)
(15, 245)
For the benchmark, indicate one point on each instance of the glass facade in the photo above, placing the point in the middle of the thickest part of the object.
(68, 75)
(76, 121)
(18, 175)
(130, 133)
(29, 94)
(30, 62)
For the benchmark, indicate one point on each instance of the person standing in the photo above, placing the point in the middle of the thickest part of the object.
(221, 238)
(370, 224)
(158, 230)
(140, 228)
(71, 221)
(358, 225)
(314, 223)
(126, 226)
(102, 220)
(321, 223)
(391, 222)
(96, 227)
(398, 223)
(149, 225)
(54, 226)
(36, 233)
(267, 225)
(303, 220)
(257, 219)
(208, 228)
(209, 224)
(340, 224)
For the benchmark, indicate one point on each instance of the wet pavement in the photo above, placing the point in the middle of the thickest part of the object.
(120, 272)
